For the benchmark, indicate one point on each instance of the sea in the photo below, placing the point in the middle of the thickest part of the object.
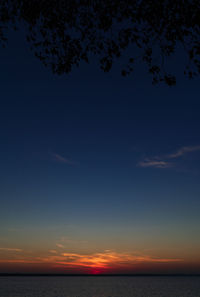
(95, 286)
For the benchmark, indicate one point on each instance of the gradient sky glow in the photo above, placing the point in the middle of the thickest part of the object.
(99, 173)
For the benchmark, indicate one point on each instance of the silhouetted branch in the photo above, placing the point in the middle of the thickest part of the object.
(62, 33)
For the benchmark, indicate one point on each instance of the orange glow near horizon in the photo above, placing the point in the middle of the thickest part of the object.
(95, 263)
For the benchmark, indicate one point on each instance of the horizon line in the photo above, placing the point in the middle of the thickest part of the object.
(100, 274)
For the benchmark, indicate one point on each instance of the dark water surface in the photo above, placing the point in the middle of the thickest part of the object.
(99, 286)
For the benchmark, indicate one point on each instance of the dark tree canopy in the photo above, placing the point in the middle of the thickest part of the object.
(62, 33)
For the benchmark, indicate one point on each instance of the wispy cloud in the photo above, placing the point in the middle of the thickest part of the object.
(53, 251)
(10, 249)
(183, 150)
(62, 159)
(166, 160)
(60, 245)
(154, 163)
(107, 259)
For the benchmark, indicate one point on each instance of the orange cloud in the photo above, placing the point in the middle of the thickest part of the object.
(108, 259)
(10, 249)
(105, 260)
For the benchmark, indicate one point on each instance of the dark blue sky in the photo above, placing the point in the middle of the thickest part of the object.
(112, 157)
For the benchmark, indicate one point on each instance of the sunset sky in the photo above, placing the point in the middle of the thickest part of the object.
(99, 173)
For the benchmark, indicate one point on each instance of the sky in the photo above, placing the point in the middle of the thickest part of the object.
(99, 173)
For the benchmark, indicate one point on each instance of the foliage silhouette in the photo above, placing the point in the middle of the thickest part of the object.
(62, 33)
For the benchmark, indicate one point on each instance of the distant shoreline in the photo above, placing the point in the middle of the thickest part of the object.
(94, 275)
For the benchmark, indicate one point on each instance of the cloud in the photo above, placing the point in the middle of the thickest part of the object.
(184, 150)
(102, 261)
(60, 245)
(106, 259)
(163, 161)
(10, 249)
(154, 163)
(53, 251)
(62, 159)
